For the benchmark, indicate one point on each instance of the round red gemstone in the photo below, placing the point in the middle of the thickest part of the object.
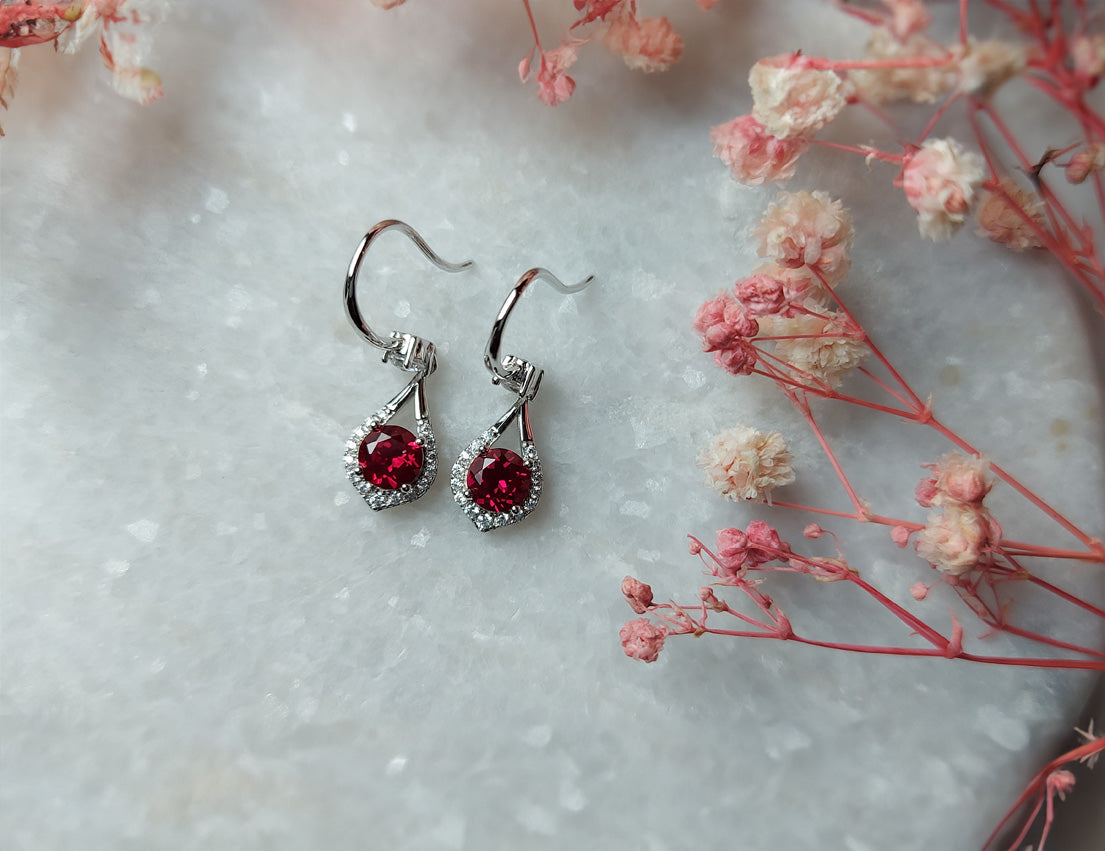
(390, 457)
(498, 480)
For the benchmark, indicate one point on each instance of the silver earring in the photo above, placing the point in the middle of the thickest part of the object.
(497, 487)
(387, 464)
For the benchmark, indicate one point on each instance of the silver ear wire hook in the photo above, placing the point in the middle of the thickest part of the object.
(513, 372)
(408, 351)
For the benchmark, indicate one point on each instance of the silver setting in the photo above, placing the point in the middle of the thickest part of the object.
(380, 498)
(410, 354)
(484, 519)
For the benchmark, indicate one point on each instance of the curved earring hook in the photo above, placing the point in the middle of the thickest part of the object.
(351, 308)
(508, 371)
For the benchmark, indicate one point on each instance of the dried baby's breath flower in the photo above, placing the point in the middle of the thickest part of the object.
(743, 463)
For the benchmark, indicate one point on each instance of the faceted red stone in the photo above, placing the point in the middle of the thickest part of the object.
(390, 457)
(498, 480)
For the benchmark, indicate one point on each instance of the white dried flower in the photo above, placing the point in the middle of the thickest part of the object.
(985, 65)
(940, 181)
(824, 348)
(743, 463)
(791, 97)
(807, 229)
(956, 538)
(920, 85)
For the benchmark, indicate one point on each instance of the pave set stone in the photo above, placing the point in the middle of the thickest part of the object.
(389, 465)
(496, 487)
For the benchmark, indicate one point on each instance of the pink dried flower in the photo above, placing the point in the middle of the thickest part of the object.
(1087, 54)
(1002, 216)
(955, 539)
(918, 590)
(641, 639)
(940, 181)
(1060, 782)
(791, 97)
(732, 547)
(1085, 162)
(743, 463)
(926, 493)
(918, 84)
(648, 44)
(694, 547)
(761, 295)
(959, 478)
(827, 348)
(739, 359)
(708, 597)
(800, 285)
(812, 531)
(554, 86)
(764, 544)
(722, 322)
(900, 535)
(637, 594)
(807, 229)
(985, 65)
(753, 155)
(908, 17)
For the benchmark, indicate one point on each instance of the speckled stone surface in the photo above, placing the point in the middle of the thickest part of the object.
(210, 641)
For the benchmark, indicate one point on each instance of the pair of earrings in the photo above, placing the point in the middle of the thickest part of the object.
(389, 465)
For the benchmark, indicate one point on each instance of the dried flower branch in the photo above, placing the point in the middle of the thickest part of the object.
(122, 27)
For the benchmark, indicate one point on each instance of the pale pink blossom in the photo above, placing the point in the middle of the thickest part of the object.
(761, 295)
(123, 41)
(694, 547)
(753, 155)
(554, 86)
(738, 359)
(637, 594)
(958, 478)
(918, 590)
(764, 544)
(709, 598)
(985, 65)
(1087, 54)
(732, 547)
(813, 531)
(1007, 217)
(1085, 162)
(807, 229)
(900, 535)
(643, 640)
(940, 180)
(1060, 782)
(907, 17)
(827, 348)
(956, 538)
(800, 286)
(918, 84)
(743, 463)
(722, 322)
(792, 97)
(645, 44)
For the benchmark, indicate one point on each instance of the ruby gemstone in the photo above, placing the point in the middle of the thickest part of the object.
(498, 480)
(390, 457)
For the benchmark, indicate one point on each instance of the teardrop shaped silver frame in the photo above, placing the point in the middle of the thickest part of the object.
(483, 519)
(380, 498)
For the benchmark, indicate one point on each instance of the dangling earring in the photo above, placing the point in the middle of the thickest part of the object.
(498, 487)
(387, 464)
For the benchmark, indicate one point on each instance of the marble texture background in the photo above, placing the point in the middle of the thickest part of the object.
(209, 641)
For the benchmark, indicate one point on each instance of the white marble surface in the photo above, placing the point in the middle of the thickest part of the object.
(209, 641)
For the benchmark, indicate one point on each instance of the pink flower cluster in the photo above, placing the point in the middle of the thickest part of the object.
(644, 44)
(738, 552)
(960, 532)
(806, 238)
(793, 98)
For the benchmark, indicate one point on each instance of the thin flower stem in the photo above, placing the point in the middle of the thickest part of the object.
(1039, 781)
(861, 518)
